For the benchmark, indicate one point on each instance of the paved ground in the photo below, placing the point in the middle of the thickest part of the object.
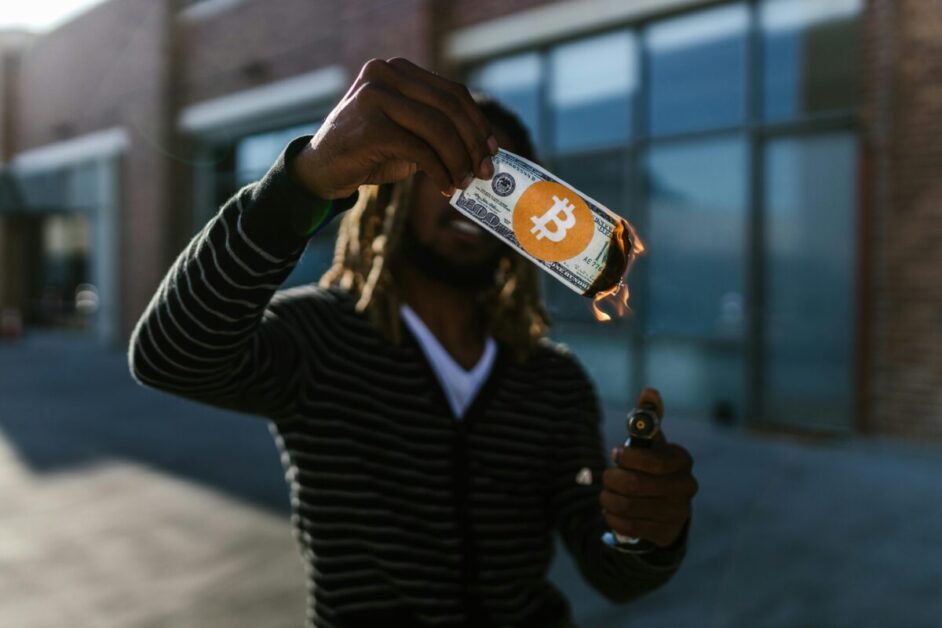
(122, 508)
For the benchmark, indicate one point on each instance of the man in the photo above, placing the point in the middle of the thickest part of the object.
(434, 440)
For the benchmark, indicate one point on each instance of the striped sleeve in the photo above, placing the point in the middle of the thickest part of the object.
(208, 333)
(617, 575)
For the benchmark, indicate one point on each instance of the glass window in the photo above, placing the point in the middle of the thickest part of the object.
(808, 56)
(697, 379)
(696, 65)
(695, 240)
(82, 183)
(605, 353)
(584, 94)
(515, 82)
(809, 280)
(592, 87)
(59, 263)
(72, 188)
(695, 237)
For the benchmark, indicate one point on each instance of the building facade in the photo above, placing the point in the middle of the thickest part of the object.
(778, 157)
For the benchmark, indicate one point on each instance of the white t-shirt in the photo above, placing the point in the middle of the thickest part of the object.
(460, 386)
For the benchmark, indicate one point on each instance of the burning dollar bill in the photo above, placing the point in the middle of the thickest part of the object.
(577, 240)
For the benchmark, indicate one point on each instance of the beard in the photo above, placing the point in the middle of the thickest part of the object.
(473, 276)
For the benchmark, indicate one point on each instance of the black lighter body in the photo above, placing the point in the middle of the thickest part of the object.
(643, 425)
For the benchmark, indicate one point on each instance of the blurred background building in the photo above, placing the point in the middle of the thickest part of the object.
(779, 157)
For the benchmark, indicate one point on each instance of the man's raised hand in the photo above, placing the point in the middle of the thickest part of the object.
(397, 119)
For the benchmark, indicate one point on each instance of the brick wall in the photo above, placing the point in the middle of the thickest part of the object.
(254, 43)
(467, 12)
(902, 65)
(7, 71)
(92, 73)
(11, 43)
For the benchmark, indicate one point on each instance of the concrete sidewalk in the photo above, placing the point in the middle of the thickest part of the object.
(127, 508)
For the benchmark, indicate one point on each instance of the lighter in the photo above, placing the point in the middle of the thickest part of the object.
(643, 426)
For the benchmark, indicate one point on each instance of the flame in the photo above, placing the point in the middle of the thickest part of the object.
(621, 304)
(619, 294)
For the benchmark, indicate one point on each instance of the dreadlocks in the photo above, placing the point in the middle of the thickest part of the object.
(369, 242)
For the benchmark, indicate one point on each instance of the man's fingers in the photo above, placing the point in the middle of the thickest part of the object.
(658, 533)
(657, 461)
(355, 144)
(404, 146)
(650, 397)
(637, 484)
(435, 109)
(423, 86)
(432, 127)
(427, 123)
(461, 95)
(651, 508)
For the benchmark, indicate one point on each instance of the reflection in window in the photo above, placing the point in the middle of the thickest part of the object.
(592, 86)
(696, 232)
(809, 235)
(699, 379)
(697, 70)
(606, 355)
(515, 82)
(809, 51)
(696, 228)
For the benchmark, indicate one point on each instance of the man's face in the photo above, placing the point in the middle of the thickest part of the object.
(453, 248)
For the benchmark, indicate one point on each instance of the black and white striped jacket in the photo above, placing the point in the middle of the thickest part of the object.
(404, 516)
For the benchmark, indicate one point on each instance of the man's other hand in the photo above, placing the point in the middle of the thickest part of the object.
(648, 493)
(395, 120)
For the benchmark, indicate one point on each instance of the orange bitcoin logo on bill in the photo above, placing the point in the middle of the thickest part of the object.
(552, 222)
